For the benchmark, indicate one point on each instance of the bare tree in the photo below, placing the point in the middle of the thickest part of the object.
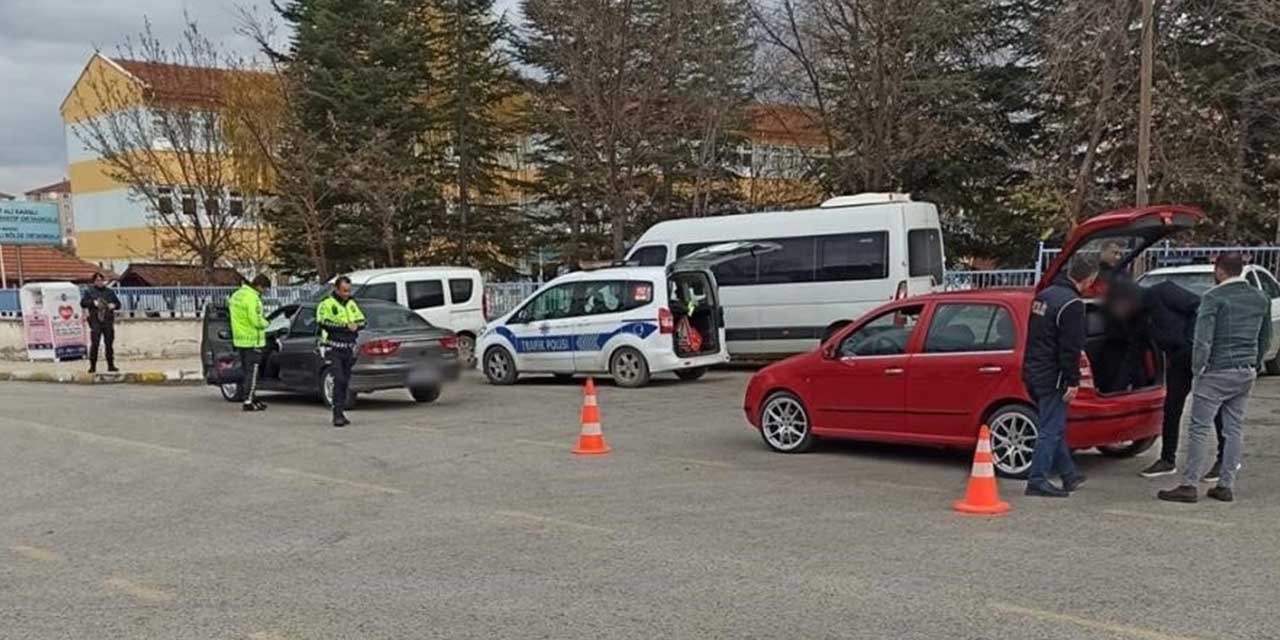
(160, 132)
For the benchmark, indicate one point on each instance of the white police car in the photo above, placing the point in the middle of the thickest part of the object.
(629, 322)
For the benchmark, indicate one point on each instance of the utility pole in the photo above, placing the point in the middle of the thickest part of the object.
(1144, 107)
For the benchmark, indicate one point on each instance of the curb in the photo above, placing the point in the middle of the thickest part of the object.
(169, 378)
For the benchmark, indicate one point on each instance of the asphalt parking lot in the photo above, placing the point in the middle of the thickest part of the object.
(144, 512)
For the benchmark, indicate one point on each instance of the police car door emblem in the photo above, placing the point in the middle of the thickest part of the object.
(544, 329)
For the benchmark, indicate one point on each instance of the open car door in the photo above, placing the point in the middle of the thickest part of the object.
(1133, 229)
(218, 358)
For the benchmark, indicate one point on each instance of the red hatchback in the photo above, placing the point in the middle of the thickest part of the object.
(931, 369)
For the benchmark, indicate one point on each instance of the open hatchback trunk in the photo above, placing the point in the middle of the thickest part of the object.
(1119, 366)
(694, 295)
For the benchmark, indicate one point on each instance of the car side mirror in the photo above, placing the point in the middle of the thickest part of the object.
(829, 350)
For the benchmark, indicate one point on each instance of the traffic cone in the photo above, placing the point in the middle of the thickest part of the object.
(591, 439)
(982, 496)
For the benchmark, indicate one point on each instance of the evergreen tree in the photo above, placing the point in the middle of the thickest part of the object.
(361, 68)
(473, 106)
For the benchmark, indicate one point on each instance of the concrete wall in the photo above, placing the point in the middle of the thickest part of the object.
(135, 339)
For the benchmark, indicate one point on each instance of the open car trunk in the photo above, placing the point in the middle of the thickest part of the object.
(694, 307)
(1119, 365)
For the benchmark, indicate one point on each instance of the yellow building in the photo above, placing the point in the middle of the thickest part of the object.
(115, 226)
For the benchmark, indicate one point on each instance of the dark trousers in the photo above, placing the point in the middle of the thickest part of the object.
(1051, 454)
(251, 364)
(103, 332)
(1177, 385)
(340, 362)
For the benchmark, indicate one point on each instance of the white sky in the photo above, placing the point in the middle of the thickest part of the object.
(45, 43)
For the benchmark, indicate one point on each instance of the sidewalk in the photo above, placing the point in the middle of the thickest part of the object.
(178, 371)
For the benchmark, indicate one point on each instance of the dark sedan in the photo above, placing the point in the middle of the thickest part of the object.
(397, 350)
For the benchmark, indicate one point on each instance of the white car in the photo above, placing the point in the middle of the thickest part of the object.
(1198, 278)
(448, 297)
(627, 322)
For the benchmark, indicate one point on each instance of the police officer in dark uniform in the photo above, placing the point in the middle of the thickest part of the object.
(1051, 373)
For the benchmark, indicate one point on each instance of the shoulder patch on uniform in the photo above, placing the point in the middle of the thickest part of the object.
(1038, 307)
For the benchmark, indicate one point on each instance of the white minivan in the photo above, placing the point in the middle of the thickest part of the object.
(449, 297)
(836, 262)
(627, 322)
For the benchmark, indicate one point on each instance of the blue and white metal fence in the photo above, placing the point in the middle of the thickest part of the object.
(501, 297)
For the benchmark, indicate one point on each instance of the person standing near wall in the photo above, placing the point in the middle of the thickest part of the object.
(100, 305)
(249, 336)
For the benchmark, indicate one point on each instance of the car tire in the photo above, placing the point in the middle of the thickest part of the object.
(1272, 366)
(499, 366)
(785, 425)
(425, 394)
(230, 391)
(628, 368)
(466, 350)
(1013, 439)
(1126, 450)
(689, 375)
(326, 390)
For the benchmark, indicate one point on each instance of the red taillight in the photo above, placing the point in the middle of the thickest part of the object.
(1086, 373)
(379, 348)
(901, 292)
(449, 343)
(666, 322)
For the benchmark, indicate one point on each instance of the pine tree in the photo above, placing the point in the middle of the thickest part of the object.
(473, 107)
(362, 68)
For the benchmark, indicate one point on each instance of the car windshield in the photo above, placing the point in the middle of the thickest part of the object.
(1196, 282)
(389, 318)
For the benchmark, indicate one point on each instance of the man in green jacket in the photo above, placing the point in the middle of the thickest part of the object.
(249, 336)
(1233, 333)
(340, 320)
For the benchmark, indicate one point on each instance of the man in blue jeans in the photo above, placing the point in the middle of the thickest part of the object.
(1051, 373)
(1233, 332)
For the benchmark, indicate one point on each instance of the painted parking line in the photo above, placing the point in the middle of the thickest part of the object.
(699, 461)
(97, 437)
(133, 589)
(1220, 524)
(543, 443)
(267, 635)
(533, 517)
(323, 479)
(1088, 623)
(900, 485)
(35, 553)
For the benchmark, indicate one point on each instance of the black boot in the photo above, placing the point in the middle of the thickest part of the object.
(93, 367)
(340, 421)
(1046, 490)
(1182, 493)
(111, 367)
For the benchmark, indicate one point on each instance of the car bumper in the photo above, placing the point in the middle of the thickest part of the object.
(1092, 422)
(669, 361)
(375, 377)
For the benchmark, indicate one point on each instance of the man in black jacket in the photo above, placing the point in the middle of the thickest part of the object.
(100, 305)
(1164, 313)
(1051, 373)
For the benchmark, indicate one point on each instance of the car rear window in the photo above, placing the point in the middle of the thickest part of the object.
(387, 318)
(924, 253)
(383, 291)
(460, 290)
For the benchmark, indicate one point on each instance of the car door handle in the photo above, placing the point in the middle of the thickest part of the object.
(991, 368)
(894, 371)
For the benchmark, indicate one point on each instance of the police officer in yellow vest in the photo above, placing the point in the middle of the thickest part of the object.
(249, 336)
(340, 321)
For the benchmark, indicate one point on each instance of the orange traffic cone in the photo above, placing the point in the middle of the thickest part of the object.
(591, 439)
(982, 496)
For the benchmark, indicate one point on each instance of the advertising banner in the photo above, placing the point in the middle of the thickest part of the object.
(53, 323)
(24, 222)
